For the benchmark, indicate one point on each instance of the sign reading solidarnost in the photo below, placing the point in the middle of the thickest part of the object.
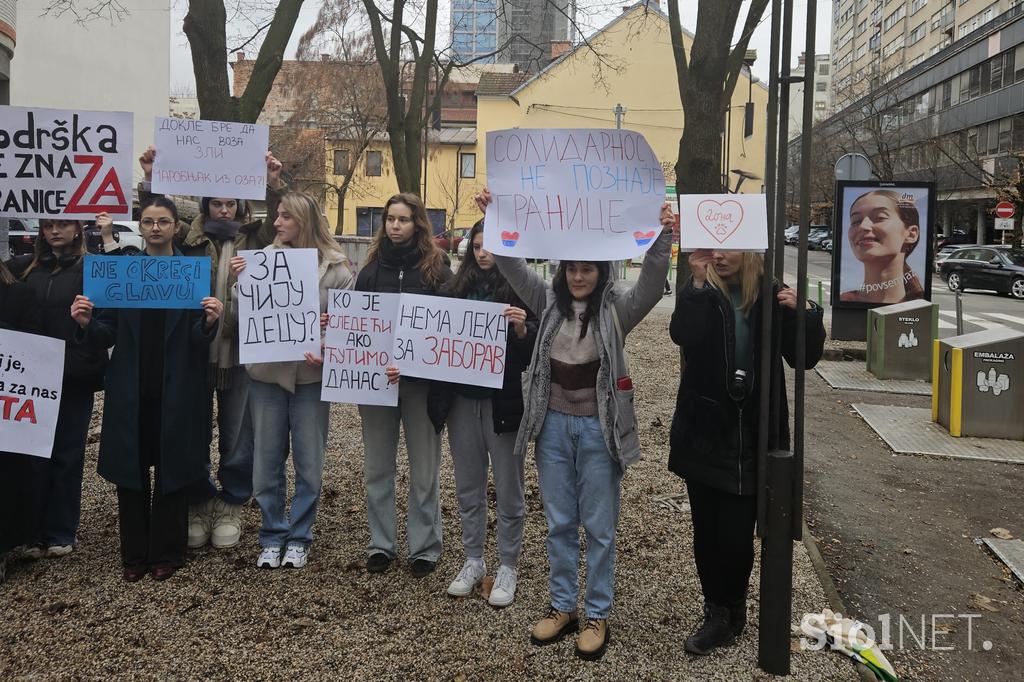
(564, 193)
(360, 336)
(31, 379)
(451, 339)
(146, 282)
(72, 164)
(723, 222)
(210, 158)
(278, 305)
(1005, 209)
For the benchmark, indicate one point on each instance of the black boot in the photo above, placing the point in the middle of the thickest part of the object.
(715, 631)
(737, 617)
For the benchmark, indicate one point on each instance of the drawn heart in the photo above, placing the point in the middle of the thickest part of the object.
(644, 238)
(720, 219)
(509, 238)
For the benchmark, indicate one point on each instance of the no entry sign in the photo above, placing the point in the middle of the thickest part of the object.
(1004, 209)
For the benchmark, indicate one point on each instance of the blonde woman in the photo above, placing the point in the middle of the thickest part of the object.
(284, 400)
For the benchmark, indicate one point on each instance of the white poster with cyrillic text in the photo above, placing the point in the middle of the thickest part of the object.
(723, 222)
(562, 193)
(66, 164)
(451, 339)
(278, 305)
(210, 158)
(31, 379)
(357, 348)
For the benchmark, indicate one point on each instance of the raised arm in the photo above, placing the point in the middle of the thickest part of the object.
(528, 285)
(636, 302)
(275, 188)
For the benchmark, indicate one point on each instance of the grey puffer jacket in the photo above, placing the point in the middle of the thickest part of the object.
(614, 405)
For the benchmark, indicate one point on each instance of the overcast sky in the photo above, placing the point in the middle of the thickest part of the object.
(182, 79)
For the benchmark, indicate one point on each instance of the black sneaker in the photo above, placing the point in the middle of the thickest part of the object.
(420, 568)
(716, 631)
(378, 562)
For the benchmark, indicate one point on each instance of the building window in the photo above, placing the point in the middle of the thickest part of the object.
(373, 164)
(918, 33)
(822, 69)
(821, 86)
(915, 5)
(467, 165)
(340, 161)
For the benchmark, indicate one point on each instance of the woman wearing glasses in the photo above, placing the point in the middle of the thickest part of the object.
(403, 258)
(156, 411)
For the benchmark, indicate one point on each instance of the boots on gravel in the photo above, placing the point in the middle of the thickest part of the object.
(553, 627)
(716, 631)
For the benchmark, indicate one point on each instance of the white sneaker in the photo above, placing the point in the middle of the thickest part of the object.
(295, 556)
(199, 524)
(270, 557)
(227, 524)
(504, 589)
(34, 551)
(473, 571)
(59, 550)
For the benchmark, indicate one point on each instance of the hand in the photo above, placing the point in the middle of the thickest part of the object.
(81, 311)
(274, 168)
(106, 227)
(787, 298)
(482, 199)
(699, 262)
(146, 162)
(213, 308)
(238, 265)
(324, 319)
(667, 218)
(314, 360)
(517, 320)
(393, 374)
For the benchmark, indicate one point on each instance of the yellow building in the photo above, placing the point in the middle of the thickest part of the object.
(628, 65)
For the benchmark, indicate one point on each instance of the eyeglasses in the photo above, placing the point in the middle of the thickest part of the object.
(404, 220)
(162, 222)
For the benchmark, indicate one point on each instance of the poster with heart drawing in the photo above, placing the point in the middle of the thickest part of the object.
(723, 222)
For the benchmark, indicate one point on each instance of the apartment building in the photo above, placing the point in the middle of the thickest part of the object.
(822, 95)
(529, 27)
(474, 32)
(875, 41)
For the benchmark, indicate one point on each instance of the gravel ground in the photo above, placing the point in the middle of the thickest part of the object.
(220, 617)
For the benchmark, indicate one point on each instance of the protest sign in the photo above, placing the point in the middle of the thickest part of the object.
(71, 164)
(278, 305)
(723, 222)
(563, 193)
(210, 158)
(31, 379)
(146, 282)
(451, 339)
(360, 336)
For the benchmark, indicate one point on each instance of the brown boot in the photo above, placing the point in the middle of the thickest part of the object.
(553, 627)
(593, 639)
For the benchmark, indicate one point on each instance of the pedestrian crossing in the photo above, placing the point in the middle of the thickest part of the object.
(947, 320)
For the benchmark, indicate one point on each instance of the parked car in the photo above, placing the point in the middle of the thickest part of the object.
(959, 237)
(449, 241)
(21, 235)
(463, 247)
(826, 244)
(792, 234)
(943, 253)
(817, 235)
(985, 267)
(126, 234)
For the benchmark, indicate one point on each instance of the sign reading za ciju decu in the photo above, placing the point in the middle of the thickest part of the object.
(146, 282)
(31, 379)
(72, 164)
(210, 158)
(565, 193)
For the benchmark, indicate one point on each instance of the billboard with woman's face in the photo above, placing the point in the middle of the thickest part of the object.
(882, 243)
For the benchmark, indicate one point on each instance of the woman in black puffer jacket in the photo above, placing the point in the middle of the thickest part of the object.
(717, 322)
(54, 273)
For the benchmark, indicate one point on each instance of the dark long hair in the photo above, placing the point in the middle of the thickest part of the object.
(6, 277)
(431, 257)
(472, 278)
(160, 201)
(563, 297)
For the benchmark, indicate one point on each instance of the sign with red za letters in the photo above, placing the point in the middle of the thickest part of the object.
(67, 164)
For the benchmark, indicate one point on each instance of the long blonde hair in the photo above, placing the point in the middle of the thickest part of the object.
(750, 280)
(314, 231)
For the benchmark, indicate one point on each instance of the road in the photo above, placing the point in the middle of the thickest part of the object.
(982, 309)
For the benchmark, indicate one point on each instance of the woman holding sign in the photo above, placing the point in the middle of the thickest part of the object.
(54, 273)
(579, 399)
(284, 399)
(223, 228)
(403, 258)
(156, 411)
(713, 443)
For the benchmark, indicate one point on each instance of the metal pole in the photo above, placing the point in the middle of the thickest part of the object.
(959, 313)
(777, 584)
(619, 110)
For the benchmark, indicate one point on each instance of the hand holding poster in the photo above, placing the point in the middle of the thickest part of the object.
(360, 336)
(142, 282)
(210, 158)
(563, 193)
(278, 305)
(72, 164)
(723, 222)
(451, 339)
(31, 379)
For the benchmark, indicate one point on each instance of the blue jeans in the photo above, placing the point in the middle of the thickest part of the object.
(579, 483)
(275, 414)
(234, 443)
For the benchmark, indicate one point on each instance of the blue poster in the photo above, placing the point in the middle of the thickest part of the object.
(146, 281)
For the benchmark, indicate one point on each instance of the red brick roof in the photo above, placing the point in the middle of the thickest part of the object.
(497, 84)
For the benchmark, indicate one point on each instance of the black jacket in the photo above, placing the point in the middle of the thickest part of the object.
(714, 435)
(55, 290)
(397, 271)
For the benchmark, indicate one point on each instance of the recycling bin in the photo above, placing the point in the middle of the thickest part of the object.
(978, 384)
(900, 340)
